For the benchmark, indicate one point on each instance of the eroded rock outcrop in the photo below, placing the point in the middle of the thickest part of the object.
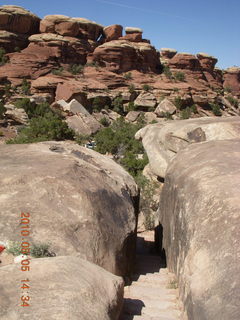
(232, 80)
(79, 200)
(200, 215)
(123, 55)
(74, 286)
(16, 24)
(164, 140)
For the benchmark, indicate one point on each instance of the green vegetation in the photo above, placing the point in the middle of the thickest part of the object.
(179, 76)
(97, 105)
(105, 122)
(216, 109)
(117, 105)
(146, 87)
(233, 101)
(128, 76)
(131, 107)
(25, 87)
(227, 90)
(40, 250)
(185, 113)
(82, 139)
(178, 103)
(131, 88)
(37, 250)
(92, 64)
(167, 71)
(172, 284)
(167, 115)
(76, 69)
(118, 139)
(58, 72)
(1, 133)
(3, 58)
(44, 124)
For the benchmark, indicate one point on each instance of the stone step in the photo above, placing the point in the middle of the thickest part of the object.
(148, 291)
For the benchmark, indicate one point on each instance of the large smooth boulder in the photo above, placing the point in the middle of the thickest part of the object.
(79, 201)
(60, 288)
(200, 215)
(164, 140)
(113, 32)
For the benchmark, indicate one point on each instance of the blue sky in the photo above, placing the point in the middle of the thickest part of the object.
(210, 26)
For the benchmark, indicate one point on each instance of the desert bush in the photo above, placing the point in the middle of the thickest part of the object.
(167, 71)
(97, 105)
(131, 107)
(146, 87)
(76, 69)
(216, 109)
(179, 76)
(178, 103)
(185, 113)
(128, 76)
(131, 88)
(233, 101)
(81, 139)
(40, 250)
(25, 87)
(117, 105)
(58, 72)
(44, 128)
(105, 122)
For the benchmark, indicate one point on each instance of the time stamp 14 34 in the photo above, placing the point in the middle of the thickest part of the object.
(25, 263)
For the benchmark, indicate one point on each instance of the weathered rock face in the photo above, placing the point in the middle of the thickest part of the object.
(145, 100)
(74, 286)
(164, 140)
(185, 61)
(123, 56)
(16, 24)
(17, 19)
(44, 54)
(167, 54)
(113, 32)
(207, 62)
(232, 80)
(200, 215)
(79, 201)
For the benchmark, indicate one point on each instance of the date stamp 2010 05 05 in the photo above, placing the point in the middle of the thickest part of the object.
(25, 263)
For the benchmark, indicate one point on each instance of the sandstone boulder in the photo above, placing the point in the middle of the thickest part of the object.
(89, 29)
(165, 106)
(145, 100)
(11, 41)
(167, 53)
(164, 140)
(133, 116)
(200, 215)
(113, 32)
(207, 62)
(17, 19)
(83, 124)
(59, 24)
(79, 201)
(185, 61)
(122, 56)
(76, 289)
(17, 115)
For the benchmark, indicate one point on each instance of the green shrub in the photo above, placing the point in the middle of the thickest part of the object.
(133, 164)
(128, 76)
(44, 128)
(58, 72)
(216, 109)
(32, 109)
(40, 250)
(131, 88)
(93, 64)
(167, 115)
(1, 133)
(25, 87)
(167, 71)
(179, 76)
(227, 90)
(2, 110)
(186, 113)
(3, 58)
(178, 103)
(97, 104)
(8, 90)
(81, 138)
(233, 101)
(131, 107)
(146, 87)
(117, 105)
(76, 69)
(14, 248)
(194, 109)
(105, 122)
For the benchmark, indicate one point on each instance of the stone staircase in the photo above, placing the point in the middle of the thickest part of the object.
(152, 294)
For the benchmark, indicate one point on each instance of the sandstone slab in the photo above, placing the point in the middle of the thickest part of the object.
(79, 201)
(76, 289)
(200, 215)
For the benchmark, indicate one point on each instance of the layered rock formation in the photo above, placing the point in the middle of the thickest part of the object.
(199, 213)
(16, 24)
(74, 286)
(81, 202)
(164, 140)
